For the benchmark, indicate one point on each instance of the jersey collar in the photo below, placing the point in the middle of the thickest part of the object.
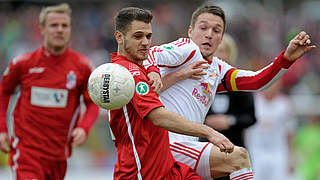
(47, 53)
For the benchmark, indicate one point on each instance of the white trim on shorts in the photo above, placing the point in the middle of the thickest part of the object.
(194, 154)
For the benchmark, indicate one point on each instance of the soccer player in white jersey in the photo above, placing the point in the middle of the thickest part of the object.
(191, 98)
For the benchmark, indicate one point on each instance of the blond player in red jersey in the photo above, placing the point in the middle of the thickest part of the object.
(43, 118)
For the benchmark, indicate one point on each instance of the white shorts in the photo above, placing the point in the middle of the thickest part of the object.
(194, 154)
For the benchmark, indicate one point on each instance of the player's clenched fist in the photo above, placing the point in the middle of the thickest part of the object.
(223, 143)
(299, 46)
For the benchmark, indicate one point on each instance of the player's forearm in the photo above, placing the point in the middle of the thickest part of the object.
(170, 79)
(175, 123)
(89, 117)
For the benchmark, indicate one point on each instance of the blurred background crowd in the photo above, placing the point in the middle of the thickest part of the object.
(261, 29)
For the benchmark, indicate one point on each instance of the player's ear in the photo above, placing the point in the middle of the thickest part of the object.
(119, 37)
(41, 29)
(190, 32)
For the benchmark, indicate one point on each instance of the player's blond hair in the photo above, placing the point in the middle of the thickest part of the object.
(60, 8)
(232, 48)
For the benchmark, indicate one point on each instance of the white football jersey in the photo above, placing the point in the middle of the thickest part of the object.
(192, 98)
(189, 98)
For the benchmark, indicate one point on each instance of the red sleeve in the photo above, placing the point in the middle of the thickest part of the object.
(11, 76)
(92, 110)
(153, 68)
(90, 117)
(282, 61)
(4, 102)
(8, 84)
(144, 99)
(242, 80)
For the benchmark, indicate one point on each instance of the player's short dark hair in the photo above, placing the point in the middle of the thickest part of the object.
(126, 15)
(208, 8)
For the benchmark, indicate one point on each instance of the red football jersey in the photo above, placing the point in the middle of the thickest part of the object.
(142, 148)
(47, 103)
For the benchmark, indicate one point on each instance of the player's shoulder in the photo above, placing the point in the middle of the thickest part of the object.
(80, 58)
(22, 57)
(180, 43)
(77, 55)
(137, 71)
(221, 64)
(216, 59)
(219, 61)
(134, 69)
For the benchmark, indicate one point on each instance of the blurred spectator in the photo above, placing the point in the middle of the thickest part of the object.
(269, 140)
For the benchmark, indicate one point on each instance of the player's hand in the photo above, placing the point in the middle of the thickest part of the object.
(223, 143)
(79, 136)
(4, 142)
(155, 81)
(299, 46)
(193, 70)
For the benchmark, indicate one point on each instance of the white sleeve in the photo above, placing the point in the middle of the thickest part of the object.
(171, 54)
(223, 67)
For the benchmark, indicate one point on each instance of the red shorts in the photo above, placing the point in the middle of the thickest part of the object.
(29, 166)
(181, 171)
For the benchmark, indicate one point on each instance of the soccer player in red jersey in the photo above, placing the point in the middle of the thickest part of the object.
(45, 87)
(140, 128)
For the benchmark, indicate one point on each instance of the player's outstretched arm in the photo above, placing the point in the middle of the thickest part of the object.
(299, 46)
(173, 122)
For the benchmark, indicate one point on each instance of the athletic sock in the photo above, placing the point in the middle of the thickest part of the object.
(242, 174)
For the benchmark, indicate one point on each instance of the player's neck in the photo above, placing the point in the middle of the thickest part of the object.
(56, 51)
(122, 52)
(208, 58)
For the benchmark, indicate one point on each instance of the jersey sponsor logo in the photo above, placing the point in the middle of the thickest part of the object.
(168, 47)
(202, 98)
(142, 88)
(71, 80)
(105, 93)
(49, 97)
(206, 88)
(58, 97)
(36, 70)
